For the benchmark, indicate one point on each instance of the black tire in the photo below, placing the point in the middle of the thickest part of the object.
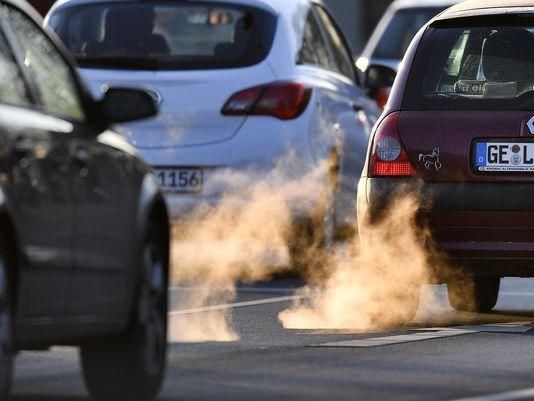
(6, 326)
(471, 293)
(131, 366)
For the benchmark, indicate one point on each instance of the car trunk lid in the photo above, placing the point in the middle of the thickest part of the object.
(190, 103)
(442, 145)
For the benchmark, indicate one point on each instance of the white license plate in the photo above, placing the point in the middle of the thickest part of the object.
(504, 157)
(185, 180)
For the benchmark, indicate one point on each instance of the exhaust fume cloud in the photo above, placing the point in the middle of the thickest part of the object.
(242, 239)
(245, 238)
(373, 285)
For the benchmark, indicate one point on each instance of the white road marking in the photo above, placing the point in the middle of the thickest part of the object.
(511, 328)
(527, 394)
(213, 308)
(402, 339)
(434, 333)
(517, 294)
(259, 290)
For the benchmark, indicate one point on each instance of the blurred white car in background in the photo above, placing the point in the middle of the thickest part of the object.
(379, 62)
(241, 84)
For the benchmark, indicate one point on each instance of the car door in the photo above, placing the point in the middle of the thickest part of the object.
(105, 202)
(36, 172)
(345, 112)
(99, 176)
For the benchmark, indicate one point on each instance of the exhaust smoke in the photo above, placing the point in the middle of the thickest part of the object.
(250, 236)
(241, 239)
(374, 284)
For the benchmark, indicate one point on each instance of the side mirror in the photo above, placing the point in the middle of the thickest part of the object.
(378, 82)
(121, 105)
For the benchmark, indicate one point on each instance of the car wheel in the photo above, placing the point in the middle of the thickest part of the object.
(6, 328)
(132, 365)
(471, 293)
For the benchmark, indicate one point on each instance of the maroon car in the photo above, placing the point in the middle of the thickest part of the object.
(42, 5)
(459, 127)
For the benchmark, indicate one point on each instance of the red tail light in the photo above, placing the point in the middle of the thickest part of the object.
(283, 100)
(389, 158)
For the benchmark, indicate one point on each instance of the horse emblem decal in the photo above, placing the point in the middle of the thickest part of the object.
(431, 161)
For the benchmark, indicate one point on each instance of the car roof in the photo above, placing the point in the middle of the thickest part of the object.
(403, 4)
(485, 7)
(276, 6)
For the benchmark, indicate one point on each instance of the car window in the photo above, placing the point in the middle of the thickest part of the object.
(58, 93)
(342, 57)
(474, 67)
(314, 50)
(167, 35)
(401, 29)
(13, 88)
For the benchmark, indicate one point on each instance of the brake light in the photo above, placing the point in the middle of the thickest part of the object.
(283, 100)
(388, 157)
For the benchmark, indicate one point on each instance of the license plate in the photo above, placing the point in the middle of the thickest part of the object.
(185, 180)
(504, 157)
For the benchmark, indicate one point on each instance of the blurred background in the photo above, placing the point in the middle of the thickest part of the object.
(358, 18)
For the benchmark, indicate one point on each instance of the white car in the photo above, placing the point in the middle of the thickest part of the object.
(241, 85)
(390, 40)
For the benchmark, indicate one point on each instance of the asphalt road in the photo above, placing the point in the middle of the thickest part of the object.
(442, 356)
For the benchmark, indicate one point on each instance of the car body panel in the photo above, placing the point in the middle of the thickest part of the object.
(40, 184)
(456, 141)
(183, 120)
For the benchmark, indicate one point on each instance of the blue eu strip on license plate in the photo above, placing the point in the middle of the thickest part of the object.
(481, 153)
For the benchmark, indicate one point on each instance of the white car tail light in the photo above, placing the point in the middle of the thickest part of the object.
(283, 100)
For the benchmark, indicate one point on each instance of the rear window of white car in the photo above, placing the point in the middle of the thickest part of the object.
(165, 35)
(484, 63)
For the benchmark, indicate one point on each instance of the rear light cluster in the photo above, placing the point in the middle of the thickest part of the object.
(283, 100)
(389, 158)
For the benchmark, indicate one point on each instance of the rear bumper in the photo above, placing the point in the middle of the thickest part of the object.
(484, 227)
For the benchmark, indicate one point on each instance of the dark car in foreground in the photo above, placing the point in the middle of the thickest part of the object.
(84, 233)
(459, 130)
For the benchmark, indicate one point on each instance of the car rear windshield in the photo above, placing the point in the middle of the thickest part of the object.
(165, 35)
(474, 64)
(400, 31)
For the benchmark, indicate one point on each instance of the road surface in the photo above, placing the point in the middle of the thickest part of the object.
(443, 356)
